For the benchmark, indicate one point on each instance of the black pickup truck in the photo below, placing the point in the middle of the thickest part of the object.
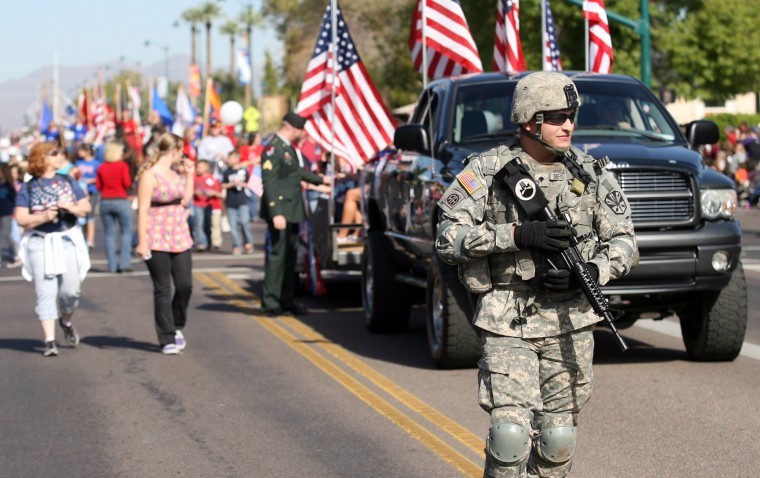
(683, 213)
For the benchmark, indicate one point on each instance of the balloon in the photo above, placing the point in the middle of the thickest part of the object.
(231, 112)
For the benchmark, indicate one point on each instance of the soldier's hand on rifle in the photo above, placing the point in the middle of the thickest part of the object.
(551, 235)
(559, 280)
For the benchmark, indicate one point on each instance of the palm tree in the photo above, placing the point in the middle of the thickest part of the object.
(193, 17)
(209, 12)
(231, 28)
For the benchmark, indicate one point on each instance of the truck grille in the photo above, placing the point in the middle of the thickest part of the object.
(658, 198)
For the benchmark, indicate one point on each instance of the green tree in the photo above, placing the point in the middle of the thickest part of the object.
(270, 85)
(707, 48)
(699, 47)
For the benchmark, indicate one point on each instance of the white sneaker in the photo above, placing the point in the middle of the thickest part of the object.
(170, 349)
(179, 340)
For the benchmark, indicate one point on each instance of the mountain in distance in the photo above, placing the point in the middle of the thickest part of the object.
(19, 96)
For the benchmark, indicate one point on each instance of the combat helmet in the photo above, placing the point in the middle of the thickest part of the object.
(543, 91)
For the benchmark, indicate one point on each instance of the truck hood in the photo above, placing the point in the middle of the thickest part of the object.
(637, 155)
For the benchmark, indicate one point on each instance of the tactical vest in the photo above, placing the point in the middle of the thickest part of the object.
(566, 193)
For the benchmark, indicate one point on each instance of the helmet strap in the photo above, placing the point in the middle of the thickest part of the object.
(537, 136)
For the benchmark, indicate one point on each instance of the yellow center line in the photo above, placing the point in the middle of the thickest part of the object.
(396, 416)
(435, 417)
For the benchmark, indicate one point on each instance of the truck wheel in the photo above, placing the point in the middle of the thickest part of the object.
(713, 328)
(452, 339)
(386, 302)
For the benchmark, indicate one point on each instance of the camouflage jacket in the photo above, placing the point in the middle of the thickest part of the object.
(476, 233)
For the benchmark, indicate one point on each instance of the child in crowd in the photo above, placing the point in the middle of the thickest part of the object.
(234, 181)
(208, 207)
(88, 165)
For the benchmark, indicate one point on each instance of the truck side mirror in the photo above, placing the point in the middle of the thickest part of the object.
(701, 132)
(412, 137)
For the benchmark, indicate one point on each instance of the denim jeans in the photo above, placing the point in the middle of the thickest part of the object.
(253, 206)
(240, 216)
(111, 212)
(207, 222)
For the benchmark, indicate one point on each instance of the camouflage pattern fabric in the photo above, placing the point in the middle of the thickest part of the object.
(536, 383)
(537, 345)
(543, 91)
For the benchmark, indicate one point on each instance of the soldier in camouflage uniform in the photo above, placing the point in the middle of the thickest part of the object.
(535, 324)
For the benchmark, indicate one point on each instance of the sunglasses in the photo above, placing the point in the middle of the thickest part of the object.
(54, 152)
(558, 119)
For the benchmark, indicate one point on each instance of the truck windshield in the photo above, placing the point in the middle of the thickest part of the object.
(609, 109)
(482, 112)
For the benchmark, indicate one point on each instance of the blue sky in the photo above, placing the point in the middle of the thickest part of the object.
(88, 32)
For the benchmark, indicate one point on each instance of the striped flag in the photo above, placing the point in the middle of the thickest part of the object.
(450, 49)
(255, 182)
(363, 124)
(600, 42)
(551, 58)
(507, 48)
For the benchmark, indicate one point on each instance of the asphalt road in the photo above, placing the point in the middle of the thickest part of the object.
(318, 396)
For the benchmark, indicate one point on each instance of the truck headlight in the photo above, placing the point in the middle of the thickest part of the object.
(718, 203)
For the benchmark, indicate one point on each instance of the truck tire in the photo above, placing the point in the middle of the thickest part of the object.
(386, 302)
(452, 339)
(713, 328)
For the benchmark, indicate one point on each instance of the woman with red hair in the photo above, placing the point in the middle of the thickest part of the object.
(53, 249)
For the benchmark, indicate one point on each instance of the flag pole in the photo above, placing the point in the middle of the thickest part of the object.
(543, 35)
(209, 82)
(334, 56)
(585, 31)
(424, 46)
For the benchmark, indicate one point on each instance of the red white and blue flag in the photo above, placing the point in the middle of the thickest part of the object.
(450, 48)
(362, 123)
(507, 48)
(551, 57)
(600, 42)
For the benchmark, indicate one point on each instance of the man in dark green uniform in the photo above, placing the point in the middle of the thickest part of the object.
(282, 208)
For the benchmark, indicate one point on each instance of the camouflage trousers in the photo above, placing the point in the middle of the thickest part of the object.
(537, 383)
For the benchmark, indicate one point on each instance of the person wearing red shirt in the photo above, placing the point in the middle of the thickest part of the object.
(113, 180)
(250, 157)
(207, 203)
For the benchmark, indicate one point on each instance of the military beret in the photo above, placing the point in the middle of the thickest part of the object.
(295, 120)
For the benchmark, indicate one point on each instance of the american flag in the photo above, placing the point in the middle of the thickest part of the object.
(600, 42)
(507, 48)
(363, 124)
(551, 61)
(102, 119)
(450, 47)
(255, 183)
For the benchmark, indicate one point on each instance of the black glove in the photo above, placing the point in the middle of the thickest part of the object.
(552, 235)
(562, 280)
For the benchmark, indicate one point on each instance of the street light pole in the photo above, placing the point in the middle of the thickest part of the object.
(165, 48)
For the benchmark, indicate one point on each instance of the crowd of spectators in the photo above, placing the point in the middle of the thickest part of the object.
(738, 157)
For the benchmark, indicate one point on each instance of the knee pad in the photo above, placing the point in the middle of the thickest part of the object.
(556, 445)
(508, 443)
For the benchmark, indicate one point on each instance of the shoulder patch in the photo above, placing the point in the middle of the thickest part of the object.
(452, 198)
(469, 182)
(267, 165)
(616, 202)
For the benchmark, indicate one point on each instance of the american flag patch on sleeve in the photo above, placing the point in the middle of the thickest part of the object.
(469, 182)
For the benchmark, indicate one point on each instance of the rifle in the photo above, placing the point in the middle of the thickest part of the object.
(534, 203)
